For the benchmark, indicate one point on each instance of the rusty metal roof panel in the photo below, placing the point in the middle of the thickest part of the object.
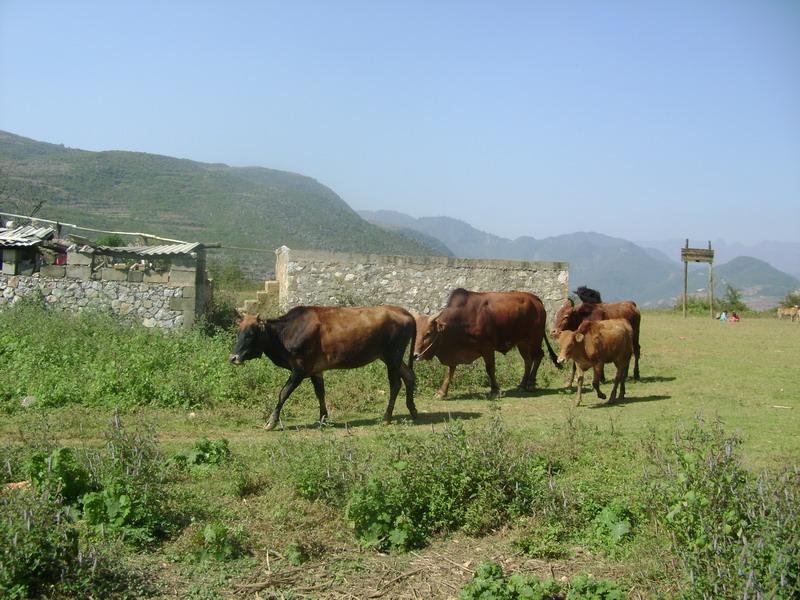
(27, 235)
(162, 250)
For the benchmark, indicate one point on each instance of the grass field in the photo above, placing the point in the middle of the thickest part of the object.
(294, 543)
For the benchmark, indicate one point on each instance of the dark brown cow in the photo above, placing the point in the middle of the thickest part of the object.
(478, 324)
(594, 344)
(309, 340)
(569, 317)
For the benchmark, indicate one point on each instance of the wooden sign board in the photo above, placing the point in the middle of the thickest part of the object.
(701, 255)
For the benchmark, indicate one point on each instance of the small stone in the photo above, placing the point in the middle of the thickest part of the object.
(28, 401)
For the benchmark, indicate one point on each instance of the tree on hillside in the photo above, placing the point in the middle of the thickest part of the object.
(732, 300)
(791, 299)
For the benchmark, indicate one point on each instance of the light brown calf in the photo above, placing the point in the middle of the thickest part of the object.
(793, 312)
(594, 344)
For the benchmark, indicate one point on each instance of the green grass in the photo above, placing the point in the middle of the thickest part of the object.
(254, 517)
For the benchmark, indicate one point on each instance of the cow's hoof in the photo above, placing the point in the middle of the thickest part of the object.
(413, 415)
(601, 395)
(440, 395)
(386, 421)
(269, 425)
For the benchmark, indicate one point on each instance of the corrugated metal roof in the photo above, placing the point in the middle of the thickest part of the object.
(163, 250)
(27, 235)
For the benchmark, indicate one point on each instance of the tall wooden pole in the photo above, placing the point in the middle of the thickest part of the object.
(710, 285)
(685, 281)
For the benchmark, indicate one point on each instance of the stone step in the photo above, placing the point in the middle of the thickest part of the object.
(271, 287)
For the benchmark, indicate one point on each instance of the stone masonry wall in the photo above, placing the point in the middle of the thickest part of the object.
(415, 282)
(153, 304)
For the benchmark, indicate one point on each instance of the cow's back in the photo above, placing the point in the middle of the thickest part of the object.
(330, 337)
(503, 318)
(608, 340)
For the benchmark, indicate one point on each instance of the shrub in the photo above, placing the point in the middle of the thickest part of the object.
(132, 499)
(58, 472)
(446, 482)
(41, 554)
(735, 535)
(489, 583)
(218, 542)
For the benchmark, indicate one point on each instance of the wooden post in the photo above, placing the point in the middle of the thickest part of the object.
(685, 281)
(703, 256)
(710, 285)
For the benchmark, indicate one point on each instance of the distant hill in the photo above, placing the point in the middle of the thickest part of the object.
(781, 255)
(133, 191)
(761, 284)
(618, 268)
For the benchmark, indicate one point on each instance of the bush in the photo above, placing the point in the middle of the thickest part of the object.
(131, 501)
(446, 482)
(41, 554)
(791, 299)
(489, 583)
(735, 535)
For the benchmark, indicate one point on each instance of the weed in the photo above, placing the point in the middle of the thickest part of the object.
(734, 535)
(489, 583)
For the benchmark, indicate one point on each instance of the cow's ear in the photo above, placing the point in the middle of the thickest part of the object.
(579, 337)
(439, 325)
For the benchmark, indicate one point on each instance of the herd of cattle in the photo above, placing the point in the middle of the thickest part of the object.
(309, 340)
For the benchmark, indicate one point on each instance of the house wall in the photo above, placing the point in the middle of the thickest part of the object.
(168, 299)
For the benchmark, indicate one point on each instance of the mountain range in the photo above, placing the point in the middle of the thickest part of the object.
(264, 208)
(617, 267)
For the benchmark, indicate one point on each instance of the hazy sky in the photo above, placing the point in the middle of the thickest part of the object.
(644, 120)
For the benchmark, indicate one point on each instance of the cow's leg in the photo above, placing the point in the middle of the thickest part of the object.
(617, 378)
(291, 385)
(527, 359)
(410, 381)
(579, 382)
(319, 391)
(393, 371)
(598, 374)
(624, 377)
(572, 375)
(636, 350)
(488, 361)
(448, 377)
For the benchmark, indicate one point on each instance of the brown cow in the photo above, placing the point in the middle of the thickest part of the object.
(309, 340)
(594, 344)
(477, 324)
(569, 317)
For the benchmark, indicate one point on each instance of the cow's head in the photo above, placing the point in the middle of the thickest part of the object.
(429, 330)
(249, 341)
(569, 344)
(563, 318)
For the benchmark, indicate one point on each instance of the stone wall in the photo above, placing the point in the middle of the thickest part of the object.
(166, 298)
(422, 283)
(153, 304)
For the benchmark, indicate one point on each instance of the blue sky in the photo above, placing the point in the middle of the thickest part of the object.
(644, 120)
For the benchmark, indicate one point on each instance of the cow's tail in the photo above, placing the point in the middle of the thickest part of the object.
(411, 345)
(553, 356)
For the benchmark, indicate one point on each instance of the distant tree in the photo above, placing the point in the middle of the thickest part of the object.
(110, 239)
(732, 300)
(791, 299)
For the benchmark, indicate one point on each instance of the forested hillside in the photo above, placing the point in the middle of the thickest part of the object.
(190, 200)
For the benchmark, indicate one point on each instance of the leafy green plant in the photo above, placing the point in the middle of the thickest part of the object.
(546, 542)
(42, 555)
(59, 472)
(446, 482)
(735, 536)
(217, 542)
(490, 583)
